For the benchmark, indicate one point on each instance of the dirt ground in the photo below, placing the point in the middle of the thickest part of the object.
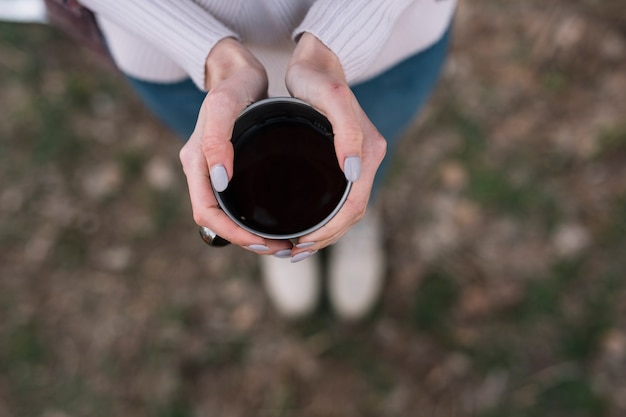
(505, 232)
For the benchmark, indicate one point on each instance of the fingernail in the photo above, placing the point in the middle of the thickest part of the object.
(301, 256)
(219, 178)
(305, 245)
(352, 168)
(258, 248)
(285, 253)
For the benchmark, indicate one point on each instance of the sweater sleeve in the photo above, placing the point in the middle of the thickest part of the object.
(355, 30)
(182, 29)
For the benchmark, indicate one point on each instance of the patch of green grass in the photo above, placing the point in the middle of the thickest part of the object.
(434, 300)
(79, 90)
(28, 36)
(314, 324)
(27, 41)
(577, 337)
(187, 316)
(42, 128)
(74, 396)
(227, 351)
(216, 355)
(165, 209)
(281, 400)
(581, 338)
(132, 163)
(54, 142)
(35, 385)
(492, 187)
(233, 351)
(619, 224)
(489, 183)
(554, 81)
(613, 234)
(11, 33)
(612, 141)
(344, 346)
(355, 349)
(378, 376)
(178, 406)
(44, 132)
(469, 129)
(23, 345)
(70, 248)
(541, 311)
(571, 397)
(544, 295)
(497, 349)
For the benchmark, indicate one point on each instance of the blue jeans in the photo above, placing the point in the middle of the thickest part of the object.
(391, 100)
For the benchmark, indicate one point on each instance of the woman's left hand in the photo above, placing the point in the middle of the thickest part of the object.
(316, 76)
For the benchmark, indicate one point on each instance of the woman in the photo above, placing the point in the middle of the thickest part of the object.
(368, 65)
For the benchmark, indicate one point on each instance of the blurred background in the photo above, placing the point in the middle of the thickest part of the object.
(506, 238)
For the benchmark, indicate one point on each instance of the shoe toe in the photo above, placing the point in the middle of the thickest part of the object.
(356, 269)
(293, 288)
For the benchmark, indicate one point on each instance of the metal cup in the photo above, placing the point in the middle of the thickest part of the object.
(287, 181)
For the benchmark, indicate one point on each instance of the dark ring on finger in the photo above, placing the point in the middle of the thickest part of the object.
(211, 238)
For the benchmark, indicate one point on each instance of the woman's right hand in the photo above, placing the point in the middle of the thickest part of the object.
(234, 80)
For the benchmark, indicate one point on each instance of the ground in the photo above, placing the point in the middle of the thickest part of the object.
(505, 233)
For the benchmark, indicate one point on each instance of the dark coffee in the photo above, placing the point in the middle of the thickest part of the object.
(286, 177)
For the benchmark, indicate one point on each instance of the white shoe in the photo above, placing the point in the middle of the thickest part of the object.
(293, 288)
(356, 268)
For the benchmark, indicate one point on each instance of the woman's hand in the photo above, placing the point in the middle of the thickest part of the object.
(315, 75)
(234, 80)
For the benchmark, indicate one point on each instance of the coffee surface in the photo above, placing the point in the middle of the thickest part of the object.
(286, 178)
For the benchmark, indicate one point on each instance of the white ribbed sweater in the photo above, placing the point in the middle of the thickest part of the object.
(169, 40)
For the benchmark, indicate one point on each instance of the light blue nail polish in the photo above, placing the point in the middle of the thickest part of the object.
(304, 245)
(285, 253)
(258, 248)
(301, 256)
(352, 168)
(219, 178)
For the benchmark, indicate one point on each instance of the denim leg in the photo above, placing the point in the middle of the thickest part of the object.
(393, 99)
(175, 104)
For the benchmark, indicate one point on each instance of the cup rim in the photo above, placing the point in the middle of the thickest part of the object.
(286, 236)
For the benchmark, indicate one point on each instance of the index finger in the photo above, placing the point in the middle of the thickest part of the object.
(206, 211)
(335, 100)
(219, 111)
